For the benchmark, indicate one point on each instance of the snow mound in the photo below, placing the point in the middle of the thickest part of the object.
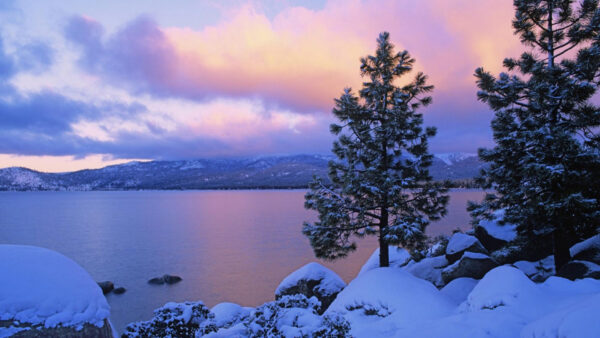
(506, 232)
(429, 269)
(398, 257)
(229, 313)
(40, 286)
(330, 283)
(386, 299)
(587, 250)
(459, 289)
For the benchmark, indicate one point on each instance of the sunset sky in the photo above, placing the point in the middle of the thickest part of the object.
(85, 84)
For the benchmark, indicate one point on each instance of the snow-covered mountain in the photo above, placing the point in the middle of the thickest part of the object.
(257, 172)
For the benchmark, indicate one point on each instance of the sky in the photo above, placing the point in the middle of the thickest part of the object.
(84, 84)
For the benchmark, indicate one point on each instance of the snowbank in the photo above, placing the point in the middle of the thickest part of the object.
(398, 257)
(380, 301)
(40, 286)
(330, 282)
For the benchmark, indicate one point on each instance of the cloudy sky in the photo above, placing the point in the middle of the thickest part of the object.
(84, 84)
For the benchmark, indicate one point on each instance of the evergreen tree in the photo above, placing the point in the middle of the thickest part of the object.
(545, 166)
(380, 183)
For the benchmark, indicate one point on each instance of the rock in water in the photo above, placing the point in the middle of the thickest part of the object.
(157, 281)
(169, 279)
(313, 279)
(172, 279)
(119, 290)
(106, 286)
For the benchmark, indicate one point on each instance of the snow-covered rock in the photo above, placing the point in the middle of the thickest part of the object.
(537, 271)
(45, 291)
(459, 289)
(471, 264)
(429, 269)
(494, 235)
(579, 269)
(459, 243)
(398, 257)
(313, 279)
(380, 301)
(229, 314)
(588, 250)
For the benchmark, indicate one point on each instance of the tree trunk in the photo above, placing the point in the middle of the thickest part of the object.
(384, 251)
(560, 243)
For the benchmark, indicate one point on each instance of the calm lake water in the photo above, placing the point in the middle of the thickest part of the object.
(233, 246)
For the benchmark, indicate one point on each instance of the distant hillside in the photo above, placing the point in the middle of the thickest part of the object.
(260, 172)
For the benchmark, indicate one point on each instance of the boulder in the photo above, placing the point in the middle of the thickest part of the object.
(169, 279)
(588, 250)
(120, 290)
(579, 269)
(313, 279)
(45, 294)
(106, 286)
(537, 271)
(471, 264)
(429, 269)
(492, 234)
(460, 243)
(25, 330)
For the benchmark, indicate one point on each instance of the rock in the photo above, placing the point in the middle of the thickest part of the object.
(45, 294)
(157, 281)
(169, 279)
(494, 235)
(579, 269)
(524, 250)
(313, 279)
(459, 243)
(537, 271)
(88, 330)
(429, 269)
(588, 250)
(471, 264)
(119, 290)
(106, 286)
(172, 279)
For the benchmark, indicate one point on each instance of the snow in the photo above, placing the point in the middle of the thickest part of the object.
(506, 232)
(429, 269)
(458, 289)
(459, 242)
(227, 313)
(592, 242)
(542, 268)
(452, 158)
(330, 282)
(40, 286)
(381, 300)
(398, 257)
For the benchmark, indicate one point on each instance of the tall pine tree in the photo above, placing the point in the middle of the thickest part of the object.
(545, 166)
(380, 183)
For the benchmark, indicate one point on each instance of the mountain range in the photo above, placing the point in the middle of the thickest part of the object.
(294, 171)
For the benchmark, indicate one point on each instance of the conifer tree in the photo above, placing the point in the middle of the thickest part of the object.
(545, 166)
(380, 183)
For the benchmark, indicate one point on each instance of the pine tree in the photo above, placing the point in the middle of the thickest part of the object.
(380, 183)
(545, 166)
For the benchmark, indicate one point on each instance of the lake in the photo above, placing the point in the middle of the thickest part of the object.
(234, 245)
